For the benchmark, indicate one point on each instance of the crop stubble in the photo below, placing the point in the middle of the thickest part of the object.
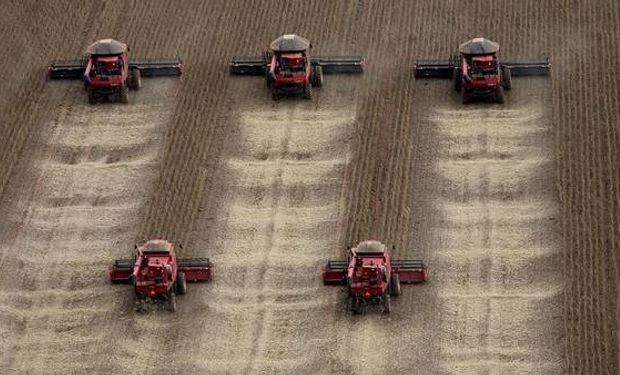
(389, 187)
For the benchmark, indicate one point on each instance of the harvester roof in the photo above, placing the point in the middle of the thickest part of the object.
(290, 43)
(105, 47)
(478, 46)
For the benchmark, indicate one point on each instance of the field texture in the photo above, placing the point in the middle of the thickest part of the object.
(514, 207)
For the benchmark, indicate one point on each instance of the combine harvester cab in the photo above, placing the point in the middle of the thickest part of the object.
(157, 274)
(371, 276)
(477, 71)
(290, 69)
(108, 73)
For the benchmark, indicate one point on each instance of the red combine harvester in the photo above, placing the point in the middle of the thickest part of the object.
(157, 274)
(290, 69)
(108, 73)
(371, 276)
(478, 73)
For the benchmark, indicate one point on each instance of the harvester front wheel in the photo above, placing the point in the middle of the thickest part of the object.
(359, 306)
(499, 95)
(181, 283)
(387, 306)
(124, 94)
(136, 79)
(140, 304)
(466, 98)
(307, 91)
(506, 78)
(458, 81)
(395, 285)
(92, 99)
(172, 302)
(317, 76)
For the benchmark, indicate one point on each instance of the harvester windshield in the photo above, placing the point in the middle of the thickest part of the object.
(484, 65)
(108, 67)
(292, 62)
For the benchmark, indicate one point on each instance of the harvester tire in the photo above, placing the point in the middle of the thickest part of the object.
(466, 98)
(499, 95)
(307, 91)
(457, 81)
(92, 99)
(181, 283)
(317, 76)
(506, 78)
(140, 304)
(136, 79)
(395, 285)
(359, 306)
(124, 95)
(172, 302)
(387, 305)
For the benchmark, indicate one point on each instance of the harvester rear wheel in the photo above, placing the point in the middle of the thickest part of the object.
(307, 91)
(172, 302)
(136, 79)
(124, 95)
(181, 283)
(506, 78)
(499, 95)
(317, 76)
(395, 285)
(387, 306)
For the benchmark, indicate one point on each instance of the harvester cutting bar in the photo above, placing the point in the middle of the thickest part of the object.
(248, 65)
(158, 67)
(121, 271)
(196, 269)
(66, 69)
(74, 69)
(340, 64)
(446, 68)
(410, 271)
(435, 68)
(335, 272)
(257, 65)
(528, 68)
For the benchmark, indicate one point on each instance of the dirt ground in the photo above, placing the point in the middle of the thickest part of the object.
(514, 207)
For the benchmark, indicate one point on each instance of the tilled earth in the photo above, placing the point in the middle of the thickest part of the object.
(513, 207)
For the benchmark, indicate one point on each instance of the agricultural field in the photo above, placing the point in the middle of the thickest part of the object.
(514, 207)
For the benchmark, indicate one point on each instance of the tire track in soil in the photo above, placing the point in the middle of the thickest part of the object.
(273, 232)
(500, 296)
(583, 113)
